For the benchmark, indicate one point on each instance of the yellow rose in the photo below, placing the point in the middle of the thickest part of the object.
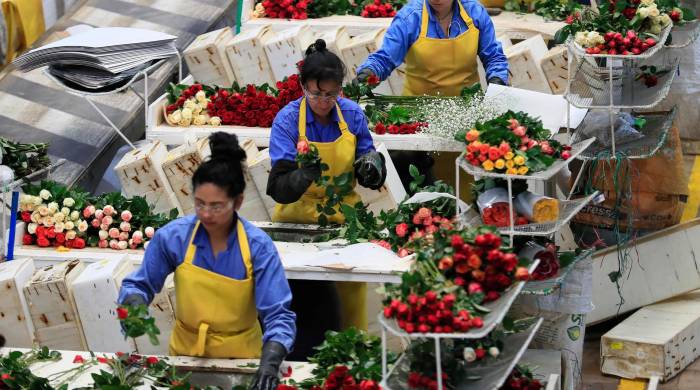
(500, 163)
(523, 170)
(509, 156)
(519, 160)
(510, 164)
(215, 121)
(512, 171)
(200, 120)
(487, 165)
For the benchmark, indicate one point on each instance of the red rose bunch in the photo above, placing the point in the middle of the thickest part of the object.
(286, 9)
(498, 214)
(521, 379)
(288, 90)
(429, 313)
(377, 9)
(187, 93)
(549, 263)
(403, 128)
(421, 223)
(417, 380)
(47, 236)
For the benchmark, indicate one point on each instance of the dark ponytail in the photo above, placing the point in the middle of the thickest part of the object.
(224, 167)
(321, 64)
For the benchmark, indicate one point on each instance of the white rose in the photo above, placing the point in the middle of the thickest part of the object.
(82, 226)
(71, 234)
(580, 38)
(53, 207)
(65, 211)
(175, 116)
(664, 20)
(201, 96)
(653, 11)
(215, 121)
(58, 227)
(200, 120)
(186, 113)
(59, 217)
(48, 221)
(655, 29)
(185, 122)
(647, 3)
(74, 215)
(203, 106)
(469, 354)
(36, 217)
(43, 210)
(196, 110)
(69, 225)
(189, 105)
(25, 199)
(45, 194)
(643, 12)
(31, 228)
(494, 352)
(37, 200)
(68, 202)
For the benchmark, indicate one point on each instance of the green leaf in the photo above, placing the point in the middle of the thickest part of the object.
(688, 14)
(639, 123)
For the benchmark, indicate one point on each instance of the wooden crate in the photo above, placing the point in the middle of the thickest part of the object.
(555, 66)
(524, 61)
(179, 168)
(392, 192)
(247, 58)
(260, 171)
(206, 58)
(141, 173)
(287, 48)
(357, 51)
(95, 292)
(52, 308)
(15, 320)
(658, 340)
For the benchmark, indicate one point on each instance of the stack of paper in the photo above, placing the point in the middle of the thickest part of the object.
(100, 57)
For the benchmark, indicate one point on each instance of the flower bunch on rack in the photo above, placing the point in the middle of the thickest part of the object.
(71, 218)
(395, 119)
(491, 199)
(282, 9)
(190, 107)
(455, 272)
(22, 158)
(303, 9)
(513, 143)
(378, 9)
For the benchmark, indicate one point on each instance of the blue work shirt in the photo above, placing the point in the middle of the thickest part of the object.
(405, 29)
(285, 129)
(167, 250)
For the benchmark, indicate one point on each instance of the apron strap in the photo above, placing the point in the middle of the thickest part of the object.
(424, 20)
(201, 339)
(302, 120)
(341, 121)
(191, 248)
(245, 249)
(465, 16)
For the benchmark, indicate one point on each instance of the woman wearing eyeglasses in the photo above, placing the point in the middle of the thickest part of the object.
(337, 127)
(227, 273)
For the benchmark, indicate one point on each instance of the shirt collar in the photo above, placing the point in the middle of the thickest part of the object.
(201, 239)
(310, 114)
(456, 17)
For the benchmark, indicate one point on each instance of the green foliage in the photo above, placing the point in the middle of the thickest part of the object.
(24, 159)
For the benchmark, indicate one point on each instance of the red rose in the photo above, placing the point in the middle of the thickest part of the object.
(102, 360)
(379, 128)
(372, 80)
(302, 147)
(26, 216)
(122, 313)
(78, 243)
(393, 129)
(43, 242)
(227, 118)
(50, 233)
(401, 230)
(60, 238)
(151, 360)
(27, 239)
(78, 359)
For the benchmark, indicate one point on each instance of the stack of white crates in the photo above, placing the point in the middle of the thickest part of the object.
(15, 320)
(206, 58)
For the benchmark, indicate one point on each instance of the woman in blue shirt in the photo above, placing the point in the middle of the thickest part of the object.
(227, 273)
(337, 128)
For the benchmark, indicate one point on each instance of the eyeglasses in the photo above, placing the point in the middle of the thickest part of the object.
(213, 209)
(317, 96)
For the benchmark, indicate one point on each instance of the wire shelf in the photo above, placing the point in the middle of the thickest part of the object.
(576, 149)
(684, 35)
(567, 210)
(549, 286)
(654, 134)
(579, 51)
(489, 374)
(590, 86)
(497, 310)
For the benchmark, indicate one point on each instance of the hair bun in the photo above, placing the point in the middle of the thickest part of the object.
(225, 146)
(318, 46)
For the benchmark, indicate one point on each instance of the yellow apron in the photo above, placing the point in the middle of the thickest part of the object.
(25, 23)
(442, 66)
(339, 155)
(215, 315)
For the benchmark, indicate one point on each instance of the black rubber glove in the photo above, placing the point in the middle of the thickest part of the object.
(370, 170)
(362, 76)
(287, 182)
(496, 80)
(267, 377)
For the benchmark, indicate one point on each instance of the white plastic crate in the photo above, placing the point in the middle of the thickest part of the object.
(357, 51)
(524, 61)
(247, 58)
(336, 39)
(555, 66)
(287, 48)
(15, 321)
(96, 291)
(141, 173)
(206, 58)
(52, 308)
(260, 171)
